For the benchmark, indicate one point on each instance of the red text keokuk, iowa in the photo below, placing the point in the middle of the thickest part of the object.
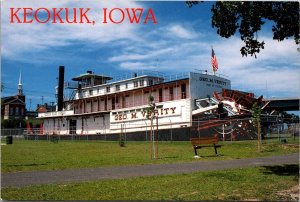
(81, 15)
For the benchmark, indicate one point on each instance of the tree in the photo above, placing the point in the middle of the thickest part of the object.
(256, 119)
(151, 115)
(248, 17)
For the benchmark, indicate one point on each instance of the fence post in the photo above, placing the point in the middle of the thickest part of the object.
(223, 131)
(278, 132)
(171, 130)
(294, 131)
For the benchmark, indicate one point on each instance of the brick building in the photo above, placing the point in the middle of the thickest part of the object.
(14, 107)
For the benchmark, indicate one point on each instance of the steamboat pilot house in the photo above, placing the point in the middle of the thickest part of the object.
(103, 105)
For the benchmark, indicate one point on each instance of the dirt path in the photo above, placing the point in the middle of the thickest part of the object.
(21, 179)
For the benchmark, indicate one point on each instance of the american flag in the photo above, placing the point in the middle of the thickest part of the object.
(214, 62)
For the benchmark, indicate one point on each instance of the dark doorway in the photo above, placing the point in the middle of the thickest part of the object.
(183, 91)
(72, 128)
(160, 95)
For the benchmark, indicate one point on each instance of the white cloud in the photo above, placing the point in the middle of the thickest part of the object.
(136, 65)
(19, 39)
(275, 70)
(175, 47)
(146, 55)
(181, 32)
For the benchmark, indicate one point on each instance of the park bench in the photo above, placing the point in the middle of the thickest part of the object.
(198, 143)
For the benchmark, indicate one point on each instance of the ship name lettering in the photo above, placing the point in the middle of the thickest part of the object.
(143, 113)
(120, 117)
(206, 79)
(220, 82)
(133, 115)
(166, 110)
(173, 110)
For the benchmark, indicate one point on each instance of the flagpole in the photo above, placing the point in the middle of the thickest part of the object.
(214, 62)
(212, 66)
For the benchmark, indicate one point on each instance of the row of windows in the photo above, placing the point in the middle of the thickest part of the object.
(161, 92)
(16, 110)
(136, 84)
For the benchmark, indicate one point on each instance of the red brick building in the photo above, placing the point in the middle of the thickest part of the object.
(13, 107)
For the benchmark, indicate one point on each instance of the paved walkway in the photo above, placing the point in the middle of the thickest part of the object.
(21, 179)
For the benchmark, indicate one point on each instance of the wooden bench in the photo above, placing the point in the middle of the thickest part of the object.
(198, 143)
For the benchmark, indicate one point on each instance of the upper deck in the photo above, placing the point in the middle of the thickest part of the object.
(97, 93)
(92, 85)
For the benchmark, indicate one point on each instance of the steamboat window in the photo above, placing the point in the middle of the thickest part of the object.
(98, 90)
(136, 84)
(150, 82)
(91, 92)
(117, 87)
(113, 103)
(126, 85)
(108, 89)
(123, 102)
(171, 93)
(142, 82)
(160, 95)
(183, 91)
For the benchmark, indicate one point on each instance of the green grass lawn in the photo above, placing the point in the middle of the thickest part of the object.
(270, 183)
(25, 155)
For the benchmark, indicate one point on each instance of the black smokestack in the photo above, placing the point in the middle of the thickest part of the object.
(60, 93)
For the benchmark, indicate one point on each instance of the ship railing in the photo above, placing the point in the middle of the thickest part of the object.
(165, 77)
(138, 73)
(71, 85)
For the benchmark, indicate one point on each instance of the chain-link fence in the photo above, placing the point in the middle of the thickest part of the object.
(226, 130)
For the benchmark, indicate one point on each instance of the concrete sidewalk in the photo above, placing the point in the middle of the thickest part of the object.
(21, 179)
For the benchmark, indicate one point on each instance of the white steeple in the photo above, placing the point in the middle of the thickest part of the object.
(20, 86)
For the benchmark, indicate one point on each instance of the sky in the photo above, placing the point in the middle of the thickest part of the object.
(181, 41)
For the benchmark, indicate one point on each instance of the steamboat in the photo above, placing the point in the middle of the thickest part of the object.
(104, 106)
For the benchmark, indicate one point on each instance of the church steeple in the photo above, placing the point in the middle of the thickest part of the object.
(20, 86)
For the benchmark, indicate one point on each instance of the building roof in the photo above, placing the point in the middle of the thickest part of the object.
(11, 99)
(88, 75)
(6, 99)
